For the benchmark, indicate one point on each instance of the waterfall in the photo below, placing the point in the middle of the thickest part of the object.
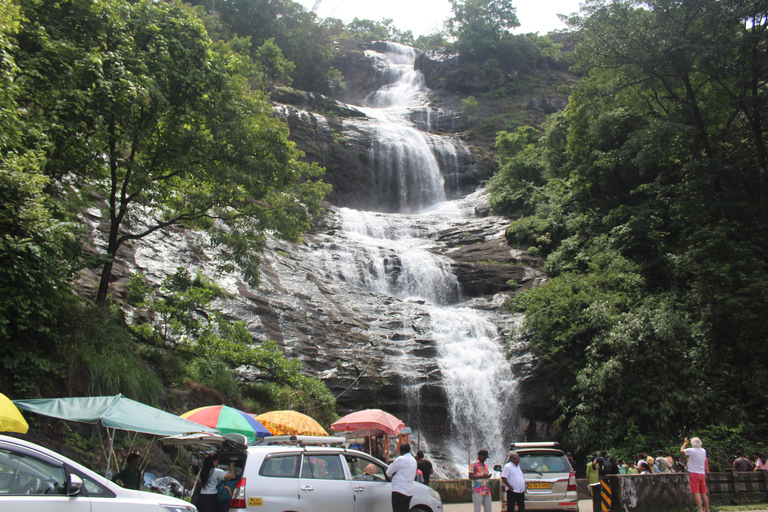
(370, 300)
(391, 254)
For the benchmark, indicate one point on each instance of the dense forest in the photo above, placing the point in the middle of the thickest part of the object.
(646, 200)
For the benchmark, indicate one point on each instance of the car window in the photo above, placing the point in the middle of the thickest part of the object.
(544, 463)
(327, 467)
(281, 466)
(22, 474)
(364, 469)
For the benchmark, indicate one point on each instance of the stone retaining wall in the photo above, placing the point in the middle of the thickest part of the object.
(670, 491)
(459, 491)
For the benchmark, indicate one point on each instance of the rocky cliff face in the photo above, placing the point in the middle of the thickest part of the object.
(374, 302)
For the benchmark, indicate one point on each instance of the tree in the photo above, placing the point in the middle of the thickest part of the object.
(479, 25)
(274, 67)
(651, 220)
(148, 113)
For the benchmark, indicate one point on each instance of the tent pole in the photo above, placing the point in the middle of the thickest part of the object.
(111, 451)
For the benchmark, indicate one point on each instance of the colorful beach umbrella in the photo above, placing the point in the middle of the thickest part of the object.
(290, 423)
(11, 419)
(227, 420)
(369, 419)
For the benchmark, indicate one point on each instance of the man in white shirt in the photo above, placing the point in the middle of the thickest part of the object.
(404, 471)
(514, 483)
(697, 471)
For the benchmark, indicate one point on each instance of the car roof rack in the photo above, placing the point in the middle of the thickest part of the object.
(542, 444)
(302, 440)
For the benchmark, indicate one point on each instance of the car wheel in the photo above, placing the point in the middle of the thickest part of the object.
(419, 509)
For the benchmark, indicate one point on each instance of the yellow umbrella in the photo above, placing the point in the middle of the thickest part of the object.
(11, 419)
(290, 423)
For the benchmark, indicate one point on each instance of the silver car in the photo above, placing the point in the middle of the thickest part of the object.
(35, 479)
(311, 474)
(550, 482)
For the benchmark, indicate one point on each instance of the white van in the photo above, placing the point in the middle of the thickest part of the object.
(309, 474)
(35, 479)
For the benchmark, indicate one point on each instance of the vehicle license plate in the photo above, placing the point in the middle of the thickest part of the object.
(539, 485)
(255, 502)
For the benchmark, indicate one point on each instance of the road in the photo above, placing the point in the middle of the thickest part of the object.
(584, 506)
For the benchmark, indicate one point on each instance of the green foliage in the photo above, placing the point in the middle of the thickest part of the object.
(479, 25)
(383, 30)
(645, 199)
(171, 129)
(214, 346)
(101, 357)
(274, 67)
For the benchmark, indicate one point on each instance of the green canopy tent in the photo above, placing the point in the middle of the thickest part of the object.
(115, 412)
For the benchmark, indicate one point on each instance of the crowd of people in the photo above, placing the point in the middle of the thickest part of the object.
(646, 464)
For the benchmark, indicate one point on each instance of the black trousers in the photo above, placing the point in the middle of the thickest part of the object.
(515, 497)
(400, 502)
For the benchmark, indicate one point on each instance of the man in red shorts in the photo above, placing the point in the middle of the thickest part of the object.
(697, 471)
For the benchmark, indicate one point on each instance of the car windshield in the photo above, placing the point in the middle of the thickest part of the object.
(543, 463)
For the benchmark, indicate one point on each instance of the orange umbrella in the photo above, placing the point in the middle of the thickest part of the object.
(290, 423)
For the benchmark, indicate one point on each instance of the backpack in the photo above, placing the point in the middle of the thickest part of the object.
(663, 464)
(224, 490)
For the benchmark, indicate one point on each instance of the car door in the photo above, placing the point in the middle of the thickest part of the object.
(323, 486)
(276, 486)
(372, 492)
(36, 483)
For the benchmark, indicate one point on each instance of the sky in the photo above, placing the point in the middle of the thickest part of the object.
(426, 16)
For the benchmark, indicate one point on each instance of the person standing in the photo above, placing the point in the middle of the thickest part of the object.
(208, 479)
(762, 463)
(741, 463)
(424, 465)
(403, 473)
(697, 471)
(514, 483)
(663, 463)
(592, 474)
(130, 476)
(571, 460)
(478, 473)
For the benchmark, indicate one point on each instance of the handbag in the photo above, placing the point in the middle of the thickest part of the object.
(195, 493)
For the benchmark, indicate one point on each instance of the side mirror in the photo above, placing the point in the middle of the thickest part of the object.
(75, 484)
(497, 467)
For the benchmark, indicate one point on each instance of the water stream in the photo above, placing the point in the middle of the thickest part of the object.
(389, 253)
(372, 297)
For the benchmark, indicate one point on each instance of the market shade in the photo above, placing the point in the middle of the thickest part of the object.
(290, 423)
(227, 420)
(11, 419)
(113, 412)
(369, 419)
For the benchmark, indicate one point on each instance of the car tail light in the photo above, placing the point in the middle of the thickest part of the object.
(572, 481)
(238, 495)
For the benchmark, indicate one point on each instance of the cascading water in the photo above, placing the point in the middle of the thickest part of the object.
(390, 253)
(370, 302)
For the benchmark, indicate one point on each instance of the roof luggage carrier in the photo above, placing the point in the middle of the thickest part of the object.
(302, 440)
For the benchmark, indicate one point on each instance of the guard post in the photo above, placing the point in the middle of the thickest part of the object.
(605, 495)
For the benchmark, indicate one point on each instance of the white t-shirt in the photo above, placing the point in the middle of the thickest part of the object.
(404, 471)
(217, 475)
(696, 460)
(514, 476)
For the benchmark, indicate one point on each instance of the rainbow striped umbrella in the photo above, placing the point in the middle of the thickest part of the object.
(227, 420)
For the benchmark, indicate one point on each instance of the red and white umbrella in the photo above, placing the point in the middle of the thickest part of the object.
(369, 419)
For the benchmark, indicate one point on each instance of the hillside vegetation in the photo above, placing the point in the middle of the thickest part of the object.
(649, 200)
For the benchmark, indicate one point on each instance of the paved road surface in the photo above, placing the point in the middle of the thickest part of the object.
(584, 506)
